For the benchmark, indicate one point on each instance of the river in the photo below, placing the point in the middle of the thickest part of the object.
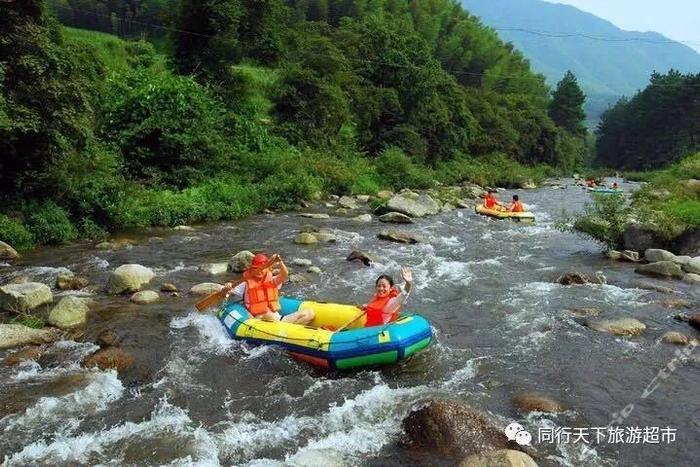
(502, 326)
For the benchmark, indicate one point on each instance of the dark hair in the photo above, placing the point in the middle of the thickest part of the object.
(515, 198)
(388, 279)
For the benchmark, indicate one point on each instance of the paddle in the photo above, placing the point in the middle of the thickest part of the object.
(351, 321)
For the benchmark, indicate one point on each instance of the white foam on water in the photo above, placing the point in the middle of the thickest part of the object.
(488, 261)
(179, 267)
(101, 263)
(72, 354)
(214, 337)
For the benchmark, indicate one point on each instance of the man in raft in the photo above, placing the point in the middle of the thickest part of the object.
(490, 200)
(517, 205)
(260, 291)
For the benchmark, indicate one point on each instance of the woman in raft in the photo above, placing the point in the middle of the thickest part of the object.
(386, 303)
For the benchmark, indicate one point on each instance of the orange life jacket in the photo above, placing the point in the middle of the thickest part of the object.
(517, 207)
(490, 201)
(262, 296)
(375, 309)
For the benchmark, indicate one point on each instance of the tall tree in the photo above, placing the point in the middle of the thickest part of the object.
(566, 107)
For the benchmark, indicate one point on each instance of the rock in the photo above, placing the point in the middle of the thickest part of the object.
(529, 185)
(107, 246)
(168, 287)
(297, 279)
(334, 197)
(499, 458)
(305, 238)
(110, 358)
(399, 237)
(618, 327)
(116, 244)
(629, 255)
(70, 282)
(32, 352)
(366, 258)
(464, 204)
(586, 312)
(129, 278)
(661, 194)
(7, 253)
(694, 320)
(348, 202)
(673, 337)
(107, 338)
(309, 229)
(693, 184)
(69, 312)
(303, 204)
(314, 270)
(472, 191)
(240, 261)
(692, 266)
(571, 278)
(362, 198)
(688, 243)
(660, 269)
(363, 218)
(314, 215)
(15, 335)
(654, 255)
(533, 402)
(396, 218)
(324, 237)
(184, 228)
(675, 303)
(385, 194)
(451, 429)
(637, 237)
(649, 286)
(145, 297)
(302, 262)
(206, 288)
(614, 255)
(19, 298)
(681, 260)
(214, 268)
(692, 278)
(424, 205)
(341, 211)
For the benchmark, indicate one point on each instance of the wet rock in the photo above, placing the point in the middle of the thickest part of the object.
(70, 282)
(107, 246)
(110, 358)
(33, 352)
(297, 279)
(366, 258)
(396, 218)
(302, 262)
(499, 458)
(214, 268)
(145, 297)
(19, 298)
(385, 194)
(585, 312)
(303, 204)
(674, 303)
(694, 320)
(324, 237)
(451, 429)
(464, 204)
(688, 243)
(363, 218)
(168, 287)
(681, 317)
(116, 244)
(348, 202)
(206, 288)
(681, 260)
(362, 198)
(422, 206)
(660, 269)
(334, 197)
(533, 402)
(314, 270)
(677, 338)
(15, 335)
(637, 237)
(305, 238)
(692, 266)
(630, 256)
(184, 228)
(573, 278)
(129, 278)
(649, 286)
(691, 278)
(311, 215)
(240, 261)
(69, 312)
(614, 255)
(7, 253)
(472, 191)
(399, 237)
(107, 338)
(618, 327)
(529, 185)
(654, 255)
(692, 183)
(341, 211)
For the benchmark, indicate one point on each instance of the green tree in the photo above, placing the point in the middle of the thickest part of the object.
(566, 107)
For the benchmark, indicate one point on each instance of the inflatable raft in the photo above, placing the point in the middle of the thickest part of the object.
(607, 190)
(525, 217)
(318, 343)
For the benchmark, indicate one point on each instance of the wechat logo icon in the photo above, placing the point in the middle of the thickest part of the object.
(516, 432)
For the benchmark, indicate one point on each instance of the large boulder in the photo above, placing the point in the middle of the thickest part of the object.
(452, 429)
(145, 297)
(673, 337)
(305, 238)
(348, 202)
(15, 335)
(214, 268)
(240, 261)
(661, 269)
(363, 218)
(69, 312)
(70, 282)
(399, 237)
(578, 278)
(654, 255)
(499, 458)
(129, 278)
(312, 215)
(691, 278)
(692, 266)
(533, 402)
(206, 288)
(23, 297)
(422, 206)
(618, 327)
(366, 258)
(110, 358)
(7, 252)
(688, 243)
(640, 238)
(396, 218)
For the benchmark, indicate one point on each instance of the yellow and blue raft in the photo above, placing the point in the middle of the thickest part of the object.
(318, 343)
(525, 217)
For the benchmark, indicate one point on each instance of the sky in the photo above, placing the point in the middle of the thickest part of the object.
(676, 19)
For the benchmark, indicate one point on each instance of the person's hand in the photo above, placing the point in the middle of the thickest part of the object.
(228, 286)
(406, 274)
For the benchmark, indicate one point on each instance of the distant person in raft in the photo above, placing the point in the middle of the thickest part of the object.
(386, 303)
(614, 186)
(260, 291)
(490, 200)
(517, 205)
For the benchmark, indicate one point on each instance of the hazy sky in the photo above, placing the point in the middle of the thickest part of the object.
(675, 19)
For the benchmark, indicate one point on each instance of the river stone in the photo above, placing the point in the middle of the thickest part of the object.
(614, 255)
(692, 266)
(499, 458)
(206, 288)
(7, 252)
(681, 260)
(348, 202)
(649, 286)
(70, 282)
(654, 255)
(637, 237)
(107, 338)
(19, 298)
(312, 215)
(362, 198)
(529, 185)
(314, 270)
(324, 237)
(575, 278)
(691, 278)
(69, 312)
(464, 204)
(585, 312)
(129, 278)
(451, 429)
(168, 287)
(424, 205)
(110, 358)
(32, 352)
(661, 268)
(629, 255)
(145, 297)
(184, 228)
(363, 218)
(673, 337)
(399, 237)
(674, 303)
(333, 197)
(214, 268)
(396, 218)
(15, 335)
(302, 262)
(694, 320)
(688, 243)
(533, 402)
(240, 261)
(618, 327)
(297, 279)
(366, 258)
(472, 191)
(385, 194)
(305, 238)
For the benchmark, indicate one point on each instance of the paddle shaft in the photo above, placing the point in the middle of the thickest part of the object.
(216, 297)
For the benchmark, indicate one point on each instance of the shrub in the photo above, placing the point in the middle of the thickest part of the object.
(397, 170)
(604, 220)
(50, 224)
(15, 234)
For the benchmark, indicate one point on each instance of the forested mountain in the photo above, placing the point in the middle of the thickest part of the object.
(606, 69)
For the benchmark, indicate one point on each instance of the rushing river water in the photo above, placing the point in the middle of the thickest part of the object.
(502, 327)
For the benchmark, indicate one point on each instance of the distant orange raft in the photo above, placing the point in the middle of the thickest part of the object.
(524, 217)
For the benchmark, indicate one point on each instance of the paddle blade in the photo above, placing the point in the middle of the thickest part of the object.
(210, 300)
